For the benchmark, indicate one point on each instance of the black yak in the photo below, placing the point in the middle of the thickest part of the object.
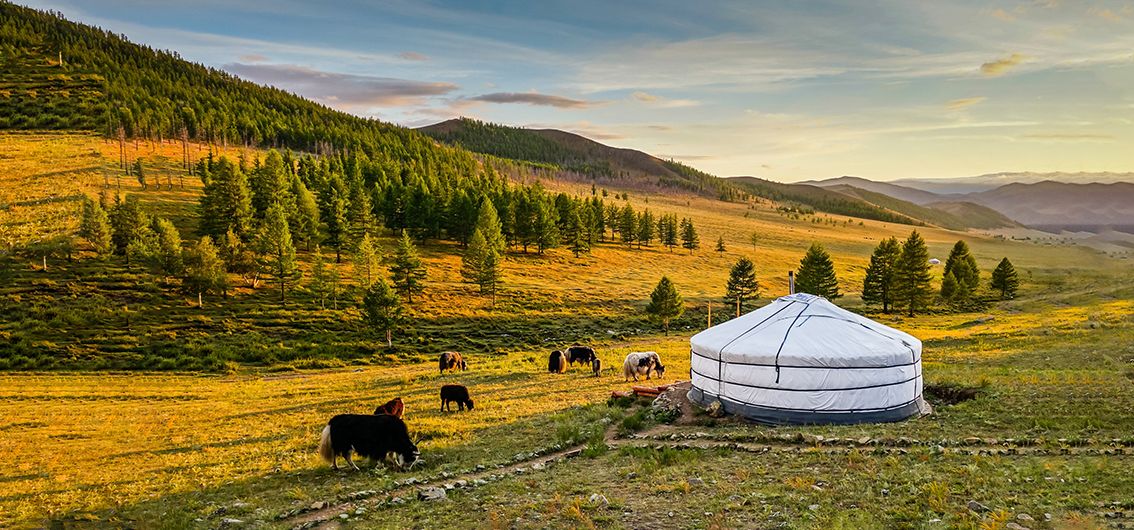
(455, 393)
(373, 437)
(557, 362)
(394, 407)
(583, 355)
(451, 360)
(596, 367)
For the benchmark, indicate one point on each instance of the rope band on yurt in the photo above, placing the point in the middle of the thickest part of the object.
(741, 363)
(782, 342)
(848, 389)
(720, 356)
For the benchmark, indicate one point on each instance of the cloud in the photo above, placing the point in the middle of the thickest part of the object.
(1068, 137)
(686, 158)
(347, 92)
(999, 66)
(413, 56)
(663, 102)
(1003, 15)
(254, 58)
(958, 104)
(535, 98)
(1111, 15)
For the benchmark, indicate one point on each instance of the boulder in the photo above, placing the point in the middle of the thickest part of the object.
(431, 494)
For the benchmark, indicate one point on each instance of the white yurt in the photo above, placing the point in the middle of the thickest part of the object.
(803, 360)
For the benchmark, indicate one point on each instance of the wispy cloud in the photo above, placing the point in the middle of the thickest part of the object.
(535, 98)
(254, 58)
(343, 91)
(1000, 66)
(663, 102)
(1069, 137)
(413, 56)
(958, 104)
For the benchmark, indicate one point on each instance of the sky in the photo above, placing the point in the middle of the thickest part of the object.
(786, 90)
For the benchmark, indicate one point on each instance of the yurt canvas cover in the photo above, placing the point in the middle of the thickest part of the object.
(803, 360)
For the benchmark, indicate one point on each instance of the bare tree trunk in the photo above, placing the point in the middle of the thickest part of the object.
(200, 303)
(389, 339)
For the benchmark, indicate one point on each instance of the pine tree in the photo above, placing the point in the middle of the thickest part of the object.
(204, 270)
(268, 184)
(140, 174)
(382, 309)
(546, 226)
(472, 261)
(366, 262)
(360, 214)
(665, 303)
(816, 274)
(667, 231)
(576, 234)
(321, 281)
(911, 275)
(689, 238)
(304, 220)
(239, 259)
(878, 286)
(489, 225)
(226, 203)
(969, 275)
(408, 271)
(720, 245)
(277, 254)
(1005, 279)
(645, 228)
(742, 285)
(94, 226)
(754, 239)
(334, 215)
(168, 256)
(490, 275)
(949, 286)
(129, 224)
(628, 225)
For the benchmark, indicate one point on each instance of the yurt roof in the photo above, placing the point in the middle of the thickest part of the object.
(806, 331)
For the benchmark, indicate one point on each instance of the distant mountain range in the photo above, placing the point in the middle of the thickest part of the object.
(1092, 202)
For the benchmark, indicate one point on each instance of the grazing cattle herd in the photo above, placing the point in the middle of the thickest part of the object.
(384, 436)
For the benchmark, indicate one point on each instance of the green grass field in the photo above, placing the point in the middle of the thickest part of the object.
(219, 412)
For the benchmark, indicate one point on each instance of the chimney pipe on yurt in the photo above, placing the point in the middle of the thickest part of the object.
(791, 282)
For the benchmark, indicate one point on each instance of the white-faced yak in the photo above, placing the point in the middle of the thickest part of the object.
(455, 394)
(373, 437)
(642, 363)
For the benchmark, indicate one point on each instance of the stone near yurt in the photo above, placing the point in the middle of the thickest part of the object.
(803, 360)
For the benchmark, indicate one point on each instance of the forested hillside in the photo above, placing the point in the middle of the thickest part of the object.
(574, 153)
(820, 199)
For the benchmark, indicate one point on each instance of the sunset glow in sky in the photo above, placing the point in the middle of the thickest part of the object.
(782, 90)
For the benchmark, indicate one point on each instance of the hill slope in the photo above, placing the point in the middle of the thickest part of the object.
(929, 214)
(1061, 206)
(574, 153)
(992, 181)
(821, 199)
(904, 193)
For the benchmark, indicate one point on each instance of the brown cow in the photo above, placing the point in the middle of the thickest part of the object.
(394, 407)
(451, 360)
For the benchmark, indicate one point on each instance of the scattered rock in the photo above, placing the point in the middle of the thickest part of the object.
(1024, 517)
(972, 440)
(360, 511)
(431, 494)
(480, 467)
(229, 521)
(865, 440)
(344, 516)
(978, 507)
(397, 500)
(1016, 526)
(318, 505)
(715, 409)
(632, 475)
(695, 481)
(885, 492)
(1047, 517)
(461, 483)
(813, 507)
(538, 466)
(598, 499)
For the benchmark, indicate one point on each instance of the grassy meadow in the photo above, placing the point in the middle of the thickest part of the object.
(194, 415)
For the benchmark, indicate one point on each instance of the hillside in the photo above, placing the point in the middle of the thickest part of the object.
(904, 193)
(1061, 206)
(953, 215)
(576, 154)
(106, 82)
(820, 199)
(990, 181)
